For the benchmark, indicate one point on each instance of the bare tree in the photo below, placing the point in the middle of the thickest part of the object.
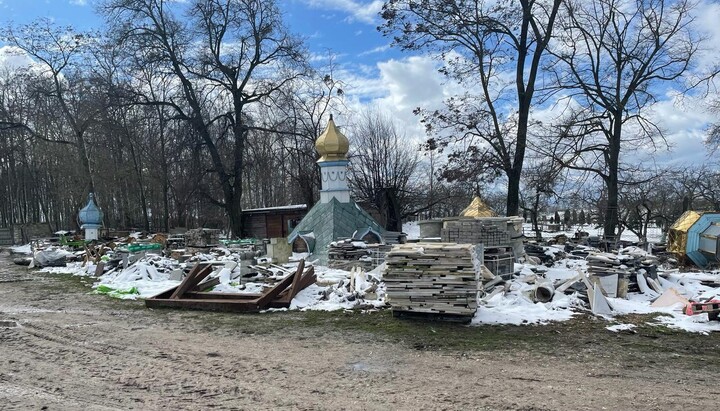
(615, 54)
(482, 43)
(61, 77)
(228, 57)
(541, 178)
(383, 167)
(304, 107)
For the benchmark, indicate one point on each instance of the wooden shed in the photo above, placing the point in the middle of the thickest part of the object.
(272, 222)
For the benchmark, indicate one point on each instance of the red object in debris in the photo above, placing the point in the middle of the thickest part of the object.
(711, 307)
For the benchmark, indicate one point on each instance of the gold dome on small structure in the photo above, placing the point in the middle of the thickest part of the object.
(477, 208)
(332, 145)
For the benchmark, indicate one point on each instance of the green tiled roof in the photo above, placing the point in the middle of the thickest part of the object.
(330, 221)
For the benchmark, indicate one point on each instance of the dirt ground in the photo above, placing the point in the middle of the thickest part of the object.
(62, 348)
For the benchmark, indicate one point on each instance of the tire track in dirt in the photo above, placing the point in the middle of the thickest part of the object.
(177, 377)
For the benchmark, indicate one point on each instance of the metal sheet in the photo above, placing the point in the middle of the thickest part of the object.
(677, 236)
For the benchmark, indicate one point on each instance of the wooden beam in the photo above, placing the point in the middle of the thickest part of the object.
(197, 274)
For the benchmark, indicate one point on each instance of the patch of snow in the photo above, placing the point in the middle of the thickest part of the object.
(412, 229)
(655, 234)
(22, 249)
(621, 327)
(326, 275)
(74, 268)
(514, 307)
(691, 323)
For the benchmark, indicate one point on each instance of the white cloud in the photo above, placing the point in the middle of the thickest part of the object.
(707, 16)
(396, 87)
(79, 2)
(378, 49)
(13, 58)
(363, 11)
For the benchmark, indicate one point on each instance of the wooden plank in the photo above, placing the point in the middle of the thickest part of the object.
(100, 268)
(197, 274)
(306, 280)
(270, 294)
(298, 276)
(226, 302)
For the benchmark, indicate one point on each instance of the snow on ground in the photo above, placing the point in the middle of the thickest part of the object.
(655, 234)
(517, 309)
(143, 279)
(151, 276)
(621, 327)
(71, 268)
(21, 249)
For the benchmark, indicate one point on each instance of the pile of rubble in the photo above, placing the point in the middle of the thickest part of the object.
(348, 253)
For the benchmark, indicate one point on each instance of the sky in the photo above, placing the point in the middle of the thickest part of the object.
(397, 82)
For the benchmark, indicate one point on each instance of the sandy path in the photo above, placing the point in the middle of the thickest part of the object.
(71, 350)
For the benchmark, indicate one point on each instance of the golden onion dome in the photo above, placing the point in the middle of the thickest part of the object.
(332, 145)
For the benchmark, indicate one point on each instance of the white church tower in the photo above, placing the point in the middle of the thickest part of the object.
(333, 147)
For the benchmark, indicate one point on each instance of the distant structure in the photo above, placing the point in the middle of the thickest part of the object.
(477, 209)
(697, 236)
(90, 219)
(336, 215)
(479, 224)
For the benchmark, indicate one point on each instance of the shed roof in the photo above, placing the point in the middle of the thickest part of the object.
(295, 207)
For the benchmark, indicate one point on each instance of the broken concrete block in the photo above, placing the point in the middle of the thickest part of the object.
(608, 283)
(670, 298)
(599, 304)
(643, 285)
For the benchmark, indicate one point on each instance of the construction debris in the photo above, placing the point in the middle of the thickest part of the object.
(348, 253)
(185, 295)
(202, 238)
(426, 280)
(432, 279)
(712, 308)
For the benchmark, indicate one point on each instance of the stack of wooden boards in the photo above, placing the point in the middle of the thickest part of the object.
(189, 293)
(432, 279)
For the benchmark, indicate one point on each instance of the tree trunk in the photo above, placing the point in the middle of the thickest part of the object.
(534, 216)
(235, 190)
(611, 209)
(85, 161)
(234, 212)
(513, 196)
(393, 219)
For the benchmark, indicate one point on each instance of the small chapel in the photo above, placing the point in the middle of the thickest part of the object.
(336, 216)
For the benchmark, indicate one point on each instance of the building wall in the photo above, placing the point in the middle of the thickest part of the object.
(270, 224)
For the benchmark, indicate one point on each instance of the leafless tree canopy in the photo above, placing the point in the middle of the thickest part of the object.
(384, 162)
(480, 43)
(186, 113)
(615, 55)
